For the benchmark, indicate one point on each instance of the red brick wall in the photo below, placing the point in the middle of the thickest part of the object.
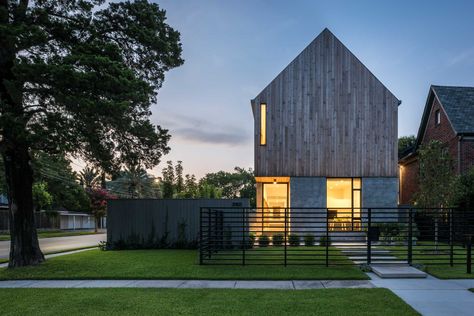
(467, 154)
(408, 181)
(442, 132)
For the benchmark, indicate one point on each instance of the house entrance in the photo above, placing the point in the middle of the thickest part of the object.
(275, 202)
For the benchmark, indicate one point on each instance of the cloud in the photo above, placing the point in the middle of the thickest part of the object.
(465, 57)
(199, 130)
(198, 135)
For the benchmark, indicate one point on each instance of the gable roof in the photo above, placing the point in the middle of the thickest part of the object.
(457, 103)
(327, 36)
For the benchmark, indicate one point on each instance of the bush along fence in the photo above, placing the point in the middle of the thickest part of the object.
(158, 223)
(321, 236)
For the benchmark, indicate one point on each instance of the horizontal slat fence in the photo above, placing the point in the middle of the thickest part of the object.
(320, 236)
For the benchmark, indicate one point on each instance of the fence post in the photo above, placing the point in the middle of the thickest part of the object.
(451, 238)
(468, 256)
(209, 241)
(200, 236)
(243, 236)
(327, 237)
(286, 234)
(410, 236)
(369, 235)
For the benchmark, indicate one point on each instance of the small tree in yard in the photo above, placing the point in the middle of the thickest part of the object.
(437, 180)
(41, 196)
(78, 77)
(98, 198)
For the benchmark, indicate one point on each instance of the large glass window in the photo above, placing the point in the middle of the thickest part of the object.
(344, 203)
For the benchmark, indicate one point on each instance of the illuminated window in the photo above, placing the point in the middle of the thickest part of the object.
(263, 124)
(344, 203)
(437, 117)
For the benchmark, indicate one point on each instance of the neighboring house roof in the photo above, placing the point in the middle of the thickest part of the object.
(457, 103)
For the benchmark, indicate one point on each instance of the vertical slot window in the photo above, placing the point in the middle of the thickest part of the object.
(263, 124)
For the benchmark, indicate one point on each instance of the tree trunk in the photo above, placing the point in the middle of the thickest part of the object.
(24, 246)
(96, 224)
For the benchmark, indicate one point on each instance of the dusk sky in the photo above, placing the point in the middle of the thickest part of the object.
(233, 49)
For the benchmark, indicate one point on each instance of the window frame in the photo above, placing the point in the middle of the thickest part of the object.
(437, 117)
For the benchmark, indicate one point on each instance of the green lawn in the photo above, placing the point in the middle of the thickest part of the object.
(201, 302)
(300, 255)
(448, 272)
(168, 264)
(53, 233)
(424, 253)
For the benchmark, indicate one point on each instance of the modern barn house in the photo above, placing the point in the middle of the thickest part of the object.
(325, 137)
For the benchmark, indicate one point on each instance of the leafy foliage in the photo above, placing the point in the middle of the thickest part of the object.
(134, 182)
(294, 240)
(240, 183)
(278, 239)
(437, 180)
(56, 172)
(309, 240)
(85, 78)
(98, 198)
(263, 241)
(41, 196)
(464, 193)
(89, 177)
(404, 143)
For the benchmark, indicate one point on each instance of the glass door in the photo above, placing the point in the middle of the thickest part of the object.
(275, 200)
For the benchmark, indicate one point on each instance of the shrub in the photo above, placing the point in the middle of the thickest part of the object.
(250, 240)
(278, 239)
(325, 241)
(294, 240)
(309, 240)
(263, 241)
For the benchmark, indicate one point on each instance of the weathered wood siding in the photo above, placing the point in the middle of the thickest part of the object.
(327, 115)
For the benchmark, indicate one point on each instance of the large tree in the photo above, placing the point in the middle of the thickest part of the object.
(78, 77)
(405, 143)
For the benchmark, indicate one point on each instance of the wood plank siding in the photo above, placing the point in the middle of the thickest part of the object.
(327, 115)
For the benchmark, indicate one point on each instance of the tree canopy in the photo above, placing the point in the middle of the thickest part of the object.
(83, 78)
(78, 77)
(437, 180)
(405, 143)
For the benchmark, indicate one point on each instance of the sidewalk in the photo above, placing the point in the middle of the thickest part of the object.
(186, 284)
(428, 296)
(432, 296)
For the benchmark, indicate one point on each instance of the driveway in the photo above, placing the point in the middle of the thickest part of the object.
(56, 244)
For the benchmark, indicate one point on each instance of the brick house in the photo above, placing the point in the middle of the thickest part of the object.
(449, 118)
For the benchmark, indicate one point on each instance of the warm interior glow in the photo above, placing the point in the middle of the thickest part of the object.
(344, 202)
(275, 200)
(263, 124)
(339, 196)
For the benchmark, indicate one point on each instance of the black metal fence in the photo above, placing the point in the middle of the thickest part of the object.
(321, 236)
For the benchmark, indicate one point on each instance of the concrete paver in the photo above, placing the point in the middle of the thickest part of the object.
(432, 296)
